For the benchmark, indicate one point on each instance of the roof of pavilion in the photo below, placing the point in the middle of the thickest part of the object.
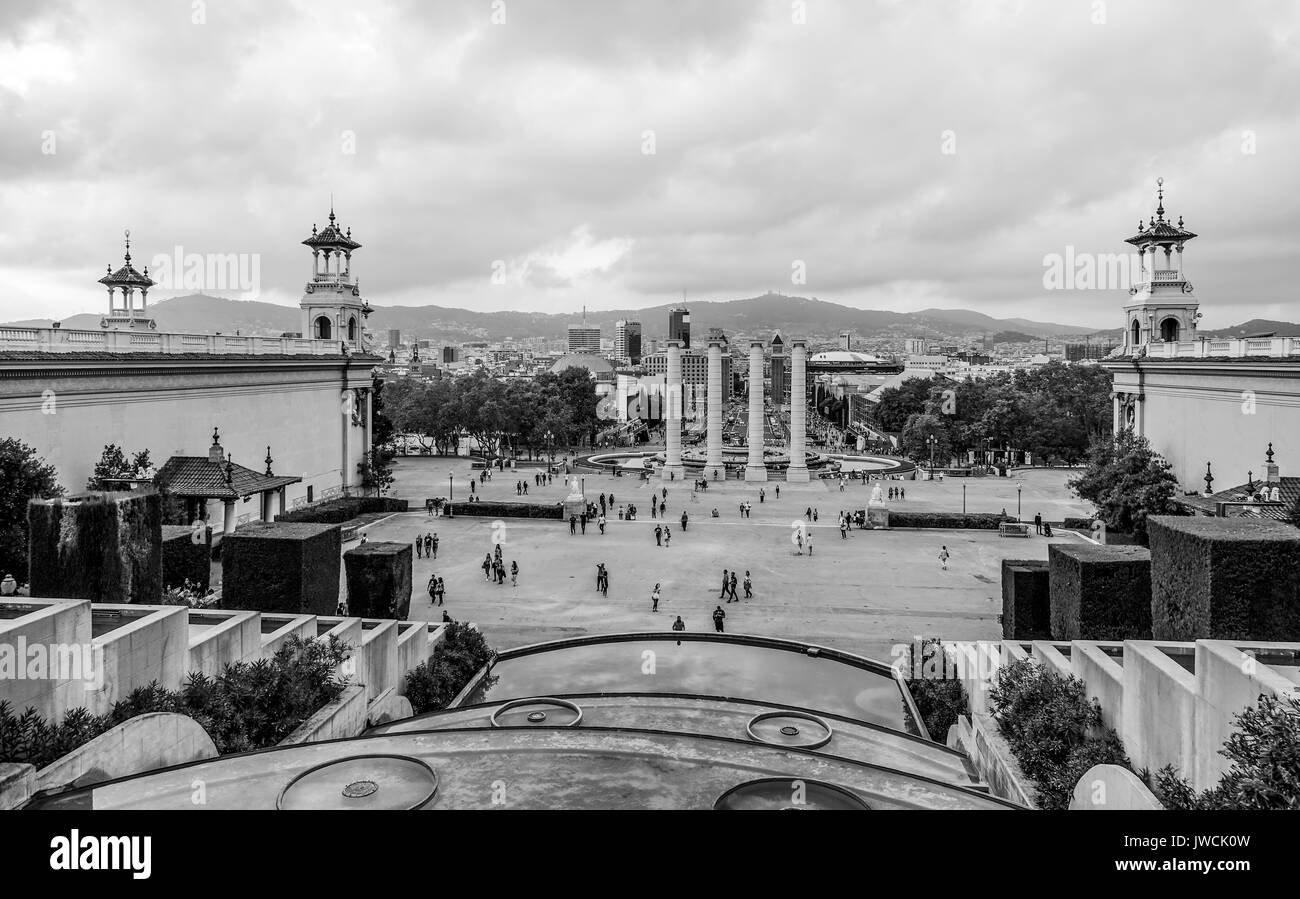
(331, 237)
(1160, 231)
(199, 476)
(1288, 491)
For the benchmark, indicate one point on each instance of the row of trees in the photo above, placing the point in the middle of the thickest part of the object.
(1053, 411)
(502, 417)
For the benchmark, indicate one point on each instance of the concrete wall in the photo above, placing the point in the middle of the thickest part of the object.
(65, 626)
(1159, 709)
(237, 638)
(171, 406)
(154, 647)
(1103, 677)
(344, 717)
(1112, 788)
(143, 743)
(378, 668)
(303, 626)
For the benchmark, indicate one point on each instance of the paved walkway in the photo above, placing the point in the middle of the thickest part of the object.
(863, 594)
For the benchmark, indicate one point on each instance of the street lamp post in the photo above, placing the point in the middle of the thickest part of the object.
(451, 489)
(963, 499)
(1018, 502)
(932, 441)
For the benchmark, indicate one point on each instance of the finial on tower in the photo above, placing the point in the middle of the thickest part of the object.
(216, 439)
(127, 232)
(1160, 198)
(1269, 454)
(268, 462)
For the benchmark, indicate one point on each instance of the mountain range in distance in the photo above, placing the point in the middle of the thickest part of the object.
(204, 314)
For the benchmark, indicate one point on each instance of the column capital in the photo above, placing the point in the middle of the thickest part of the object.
(799, 341)
(756, 343)
(715, 342)
(674, 344)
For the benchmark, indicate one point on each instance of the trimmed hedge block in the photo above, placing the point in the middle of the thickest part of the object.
(984, 521)
(101, 546)
(508, 510)
(1099, 592)
(282, 567)
(337, 511)
(1224, 578)
(379, 580)
(1026, 600)
(185, 560)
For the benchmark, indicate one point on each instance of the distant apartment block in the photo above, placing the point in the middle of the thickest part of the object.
(584, 340)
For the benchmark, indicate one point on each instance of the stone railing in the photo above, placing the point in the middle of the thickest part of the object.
(62, 340)
(1205, 348)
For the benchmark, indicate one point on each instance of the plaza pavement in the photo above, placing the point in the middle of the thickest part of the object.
(864, 594)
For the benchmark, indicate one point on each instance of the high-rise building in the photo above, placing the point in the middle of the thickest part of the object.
(627, 340)
(915, 346)
(450, 354)
(779, 371)
(1077, 352)
(679, 326)
(394, 337)
(584, 339)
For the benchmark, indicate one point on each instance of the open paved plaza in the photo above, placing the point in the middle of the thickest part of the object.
(863, 594)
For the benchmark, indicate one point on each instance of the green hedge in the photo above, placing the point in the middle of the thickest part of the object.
(282, 567)
(1224, 579)
(984, 521)
(101, 546)
(337, 511)
(1100, 592)
(509, 510)
(1077, 524)
(939, 696)
(434, 683)
(185, 560)
(1026, 600)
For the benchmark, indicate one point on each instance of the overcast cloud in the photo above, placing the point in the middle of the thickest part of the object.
(456, 147)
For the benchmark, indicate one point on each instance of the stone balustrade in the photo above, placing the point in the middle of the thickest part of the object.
(1233, 348)
(64, 340)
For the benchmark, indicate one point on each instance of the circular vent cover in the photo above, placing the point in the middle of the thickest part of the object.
(368, 782)
(541, 710)
(788, 793)
(794, 729)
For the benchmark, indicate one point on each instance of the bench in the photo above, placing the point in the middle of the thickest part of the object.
(1013, 529)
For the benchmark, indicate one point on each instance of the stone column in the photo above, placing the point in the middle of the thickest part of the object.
(230, 518)
(267, 508)
(714, 469)
(673, 469)
(798, 470)
(755, 470)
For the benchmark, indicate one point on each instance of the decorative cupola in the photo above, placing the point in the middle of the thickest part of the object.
(332, 307)
(1162, 306)
(127, 316)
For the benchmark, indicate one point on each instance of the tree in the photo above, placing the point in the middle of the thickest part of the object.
(381, 426)
(916, 438)
(112, 464)
(376, 470)
(23, 476)
(1127, 481)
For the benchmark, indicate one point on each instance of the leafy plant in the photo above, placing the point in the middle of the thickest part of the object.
(1054, 729)
(434, 683)
(1265, 754)
(250, 705)
(939, 699)
(1127, 481)
(189, 594)
(23, 476)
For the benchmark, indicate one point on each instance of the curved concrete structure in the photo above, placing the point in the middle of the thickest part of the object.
(672, 469)
(714, 469)
(798, 471)
(755, 470)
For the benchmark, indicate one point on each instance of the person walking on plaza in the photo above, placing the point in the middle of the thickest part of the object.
(798, 541)
(718, 615)
(663, 509)
(814, 514)
(726, 582)
(749, 586)
(600, 522)
(808, 513)
(1038, 522)
(902, 493)
(583, 521)
(734, 597)
(654, 599)
(419, 547)
(668, 535)
(943, 557)
(487, 566)
(761, 494)
(573, 524)
(809, 541)
(653, 507)
(604, 580)
(679, 625)
(844, 527)
(442, 590)
(433, 589)
(778, 491)
(431, 545)
(665, 493)
(514, 573)
(683, 522)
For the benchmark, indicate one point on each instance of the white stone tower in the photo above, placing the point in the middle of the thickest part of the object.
(332, 307)
(1162, 306)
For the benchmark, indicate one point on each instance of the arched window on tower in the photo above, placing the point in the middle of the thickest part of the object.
(1136, 332)
(321, 331)
(352, 329)
(1169, 330)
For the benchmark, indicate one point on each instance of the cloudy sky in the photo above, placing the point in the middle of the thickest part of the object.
(546, 154)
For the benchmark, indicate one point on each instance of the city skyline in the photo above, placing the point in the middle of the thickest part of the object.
(549, 158)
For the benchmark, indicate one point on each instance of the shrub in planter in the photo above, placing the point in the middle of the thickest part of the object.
(345, 508)
(974, 521)
(434, 683)
(1224, 579)
(1099, 592)
(1265, 756)
(1054, 730)
(939, 698)
(508, 510)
